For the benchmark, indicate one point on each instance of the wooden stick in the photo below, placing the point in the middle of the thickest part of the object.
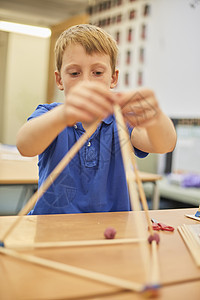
(191, 243)
(125, 137)
(195, 244)
(124, 145)
(155, 278)
(133, 162)
(84, 243)
(126, 149)
(135, 203)
(141, 191)
(51, 178)
(106, 279)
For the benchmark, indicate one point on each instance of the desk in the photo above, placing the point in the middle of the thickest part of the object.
(16, 170)
(180, 277)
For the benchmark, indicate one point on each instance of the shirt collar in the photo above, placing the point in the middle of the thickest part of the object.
(108, 120)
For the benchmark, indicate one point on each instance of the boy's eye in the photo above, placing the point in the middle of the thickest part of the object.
(74, 74)
(98, 73)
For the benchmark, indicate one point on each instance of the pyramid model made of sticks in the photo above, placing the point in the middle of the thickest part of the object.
(148, 252)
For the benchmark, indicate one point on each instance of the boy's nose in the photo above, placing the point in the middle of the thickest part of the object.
(86, 77)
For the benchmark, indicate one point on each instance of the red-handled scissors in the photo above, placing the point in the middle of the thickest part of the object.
(160, 226)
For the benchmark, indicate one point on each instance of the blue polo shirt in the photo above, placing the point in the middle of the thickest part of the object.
(94, 180)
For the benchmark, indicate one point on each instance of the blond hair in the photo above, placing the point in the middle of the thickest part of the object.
(92, 38)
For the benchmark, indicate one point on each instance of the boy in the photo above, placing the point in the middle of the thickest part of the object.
(94, 181)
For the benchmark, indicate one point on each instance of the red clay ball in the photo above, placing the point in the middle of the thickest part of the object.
(154, 237)
(109, 233)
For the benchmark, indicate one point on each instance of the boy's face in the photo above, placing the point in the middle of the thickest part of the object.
(78, 66)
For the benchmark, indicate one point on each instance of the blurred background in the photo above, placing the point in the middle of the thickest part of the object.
(159, 46)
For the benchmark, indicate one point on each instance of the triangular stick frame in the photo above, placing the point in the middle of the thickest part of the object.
(149, 255)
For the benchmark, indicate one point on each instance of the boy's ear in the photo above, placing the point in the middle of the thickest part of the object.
(114, 79)
(59, 80)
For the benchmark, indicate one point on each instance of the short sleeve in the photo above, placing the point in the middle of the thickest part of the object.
(140, 153)
(41, 109)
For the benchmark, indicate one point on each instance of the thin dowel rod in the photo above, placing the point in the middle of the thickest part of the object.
(106, 279)
(128, 158)
(133, 193)
(141, 191)
(191, 243)
(155, 266)
(51, 178)
(84, 243)
(133, 161)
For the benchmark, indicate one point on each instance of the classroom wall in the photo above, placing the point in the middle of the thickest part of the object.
(172, 65)
(25, 81)
(3, 59)
(173, 61)
(171, 44)
(171, 68)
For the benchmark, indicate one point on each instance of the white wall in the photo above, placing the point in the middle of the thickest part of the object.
(26, 81)
(171, 64)
(173, 56)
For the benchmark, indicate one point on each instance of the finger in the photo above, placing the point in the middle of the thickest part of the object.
(140, 114)
(134, 96)
(94, 99)
(89, 107)
(137, 107)
(140, 120)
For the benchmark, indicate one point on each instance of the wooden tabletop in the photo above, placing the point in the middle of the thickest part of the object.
(16, 169)
(180, 277)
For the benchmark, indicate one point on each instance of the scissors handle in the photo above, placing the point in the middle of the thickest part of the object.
(160, 226)
(165, 227)
(155, 226)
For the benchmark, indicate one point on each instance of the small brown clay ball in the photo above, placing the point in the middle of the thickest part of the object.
(153, 237)
(109, 233)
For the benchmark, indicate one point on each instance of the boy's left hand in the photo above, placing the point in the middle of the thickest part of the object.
(140, 108)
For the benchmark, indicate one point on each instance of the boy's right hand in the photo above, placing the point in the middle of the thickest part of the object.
(87, 101)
